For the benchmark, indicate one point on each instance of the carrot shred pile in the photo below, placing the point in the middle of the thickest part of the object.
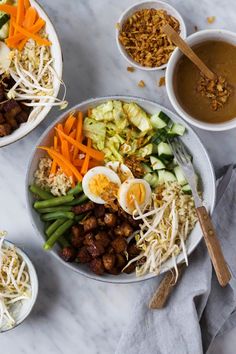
(72, 152)
(25, 23)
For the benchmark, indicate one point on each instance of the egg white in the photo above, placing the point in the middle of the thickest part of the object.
(115, 165)
(111, 175)
(124, 188)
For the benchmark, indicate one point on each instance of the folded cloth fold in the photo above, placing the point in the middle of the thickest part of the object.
(199, 308)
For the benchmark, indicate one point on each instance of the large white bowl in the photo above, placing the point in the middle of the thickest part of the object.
(196, 38)
(23, 309)
(201, 161)
(155, 4)
(26, 128)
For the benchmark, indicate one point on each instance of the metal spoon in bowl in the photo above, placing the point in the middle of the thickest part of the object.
(187, 50)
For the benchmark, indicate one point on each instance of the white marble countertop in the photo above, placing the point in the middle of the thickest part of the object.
(74, 314)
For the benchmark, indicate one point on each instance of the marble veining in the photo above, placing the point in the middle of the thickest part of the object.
(74, 314)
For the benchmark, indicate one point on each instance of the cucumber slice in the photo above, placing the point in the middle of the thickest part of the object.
(180, 176)
(176, 129)
(157, 122)
(156, 163)
(164, 117)
(146, 167)
(3, 19)
(164, 151)
(160, 135)
(166, 176)
(152, 179)
(145, 151)
(187, 189)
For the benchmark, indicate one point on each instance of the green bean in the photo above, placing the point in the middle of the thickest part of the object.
(78, 189)
(58, 215)
(57, 234)
(79, 200)
(54, 226)
(53, 209)
(53, 202)
(40, 192)
(79, 217)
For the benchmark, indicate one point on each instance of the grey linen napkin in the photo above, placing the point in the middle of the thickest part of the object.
(199, 309)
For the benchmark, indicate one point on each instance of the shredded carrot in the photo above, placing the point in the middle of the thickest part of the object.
(21, 45)
(94, 163)
(27, 4)
(78, 162)
(97, 155)
(11, 28)
(73, 134)
(85, 166)
(62, 161)
(20, 13)
(65, 149)
(26, 33)
(60, 129)
(69, 124)
(54, 164)
(9, 9)
(30, 17)
(14, 39)
(78, 132)
(89, 112)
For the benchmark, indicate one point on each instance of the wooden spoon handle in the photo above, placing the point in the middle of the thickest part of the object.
(213, 246)
(164, 290)
(185, 48)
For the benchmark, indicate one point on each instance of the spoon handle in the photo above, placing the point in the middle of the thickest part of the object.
(186, 50)
(164, 290)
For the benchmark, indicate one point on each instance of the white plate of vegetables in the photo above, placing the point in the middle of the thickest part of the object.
(30, 70)
(106, 195)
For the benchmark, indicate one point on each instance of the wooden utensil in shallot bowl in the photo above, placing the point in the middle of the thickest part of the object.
(187, 50)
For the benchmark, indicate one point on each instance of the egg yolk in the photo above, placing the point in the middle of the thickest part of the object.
(98, 184)
(136, 191)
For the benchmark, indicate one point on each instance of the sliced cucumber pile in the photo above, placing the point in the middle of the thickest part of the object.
(162, 166)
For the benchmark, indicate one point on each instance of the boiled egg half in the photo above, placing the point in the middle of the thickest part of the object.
(97, 180)
(132, 190)
(121, 169)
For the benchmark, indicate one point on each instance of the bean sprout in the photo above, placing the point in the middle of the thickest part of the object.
(166, 224)
(14, 283)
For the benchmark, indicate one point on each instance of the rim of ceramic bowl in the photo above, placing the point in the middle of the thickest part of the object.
(135, 7)
(200, 37)
(29, 206)
(34, 283)
(33, 125)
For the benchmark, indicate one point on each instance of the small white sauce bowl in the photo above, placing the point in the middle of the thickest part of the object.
(24, 308)
(159, 5)
(196, 38)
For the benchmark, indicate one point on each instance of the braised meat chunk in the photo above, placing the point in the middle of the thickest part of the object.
(119, 245)
(95, 249)
(103, 238)
(68, 254)
(110, 219)
(84, 208)
(83, 256)
(96, 265)
(108, 261)
(5, 129)
(90, 224)
(11, 108)
(99, 210)
(77, 237)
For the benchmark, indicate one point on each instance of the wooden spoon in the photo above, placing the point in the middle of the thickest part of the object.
(163, 292)
(186, 50)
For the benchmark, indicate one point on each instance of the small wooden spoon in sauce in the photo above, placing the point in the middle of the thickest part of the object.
(187, 50)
